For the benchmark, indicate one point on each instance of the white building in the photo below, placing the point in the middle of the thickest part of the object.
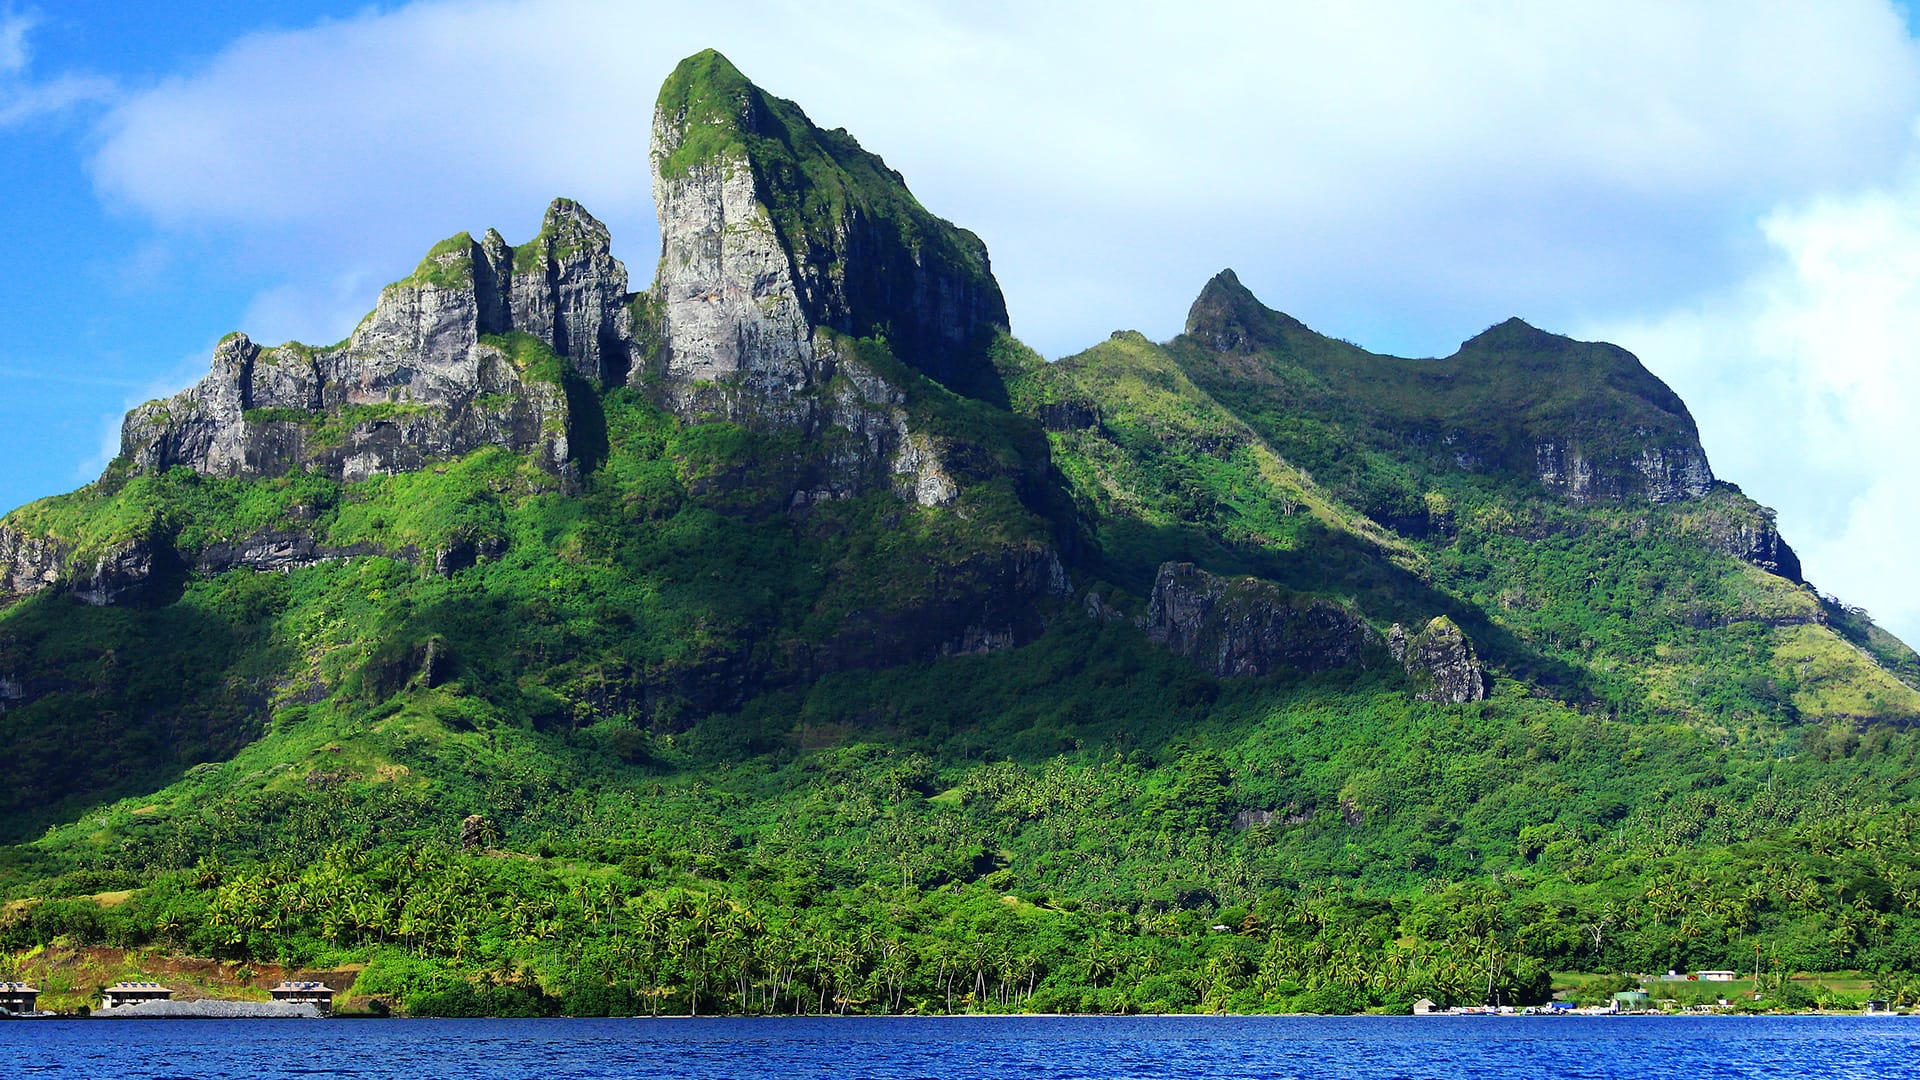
(133, 993)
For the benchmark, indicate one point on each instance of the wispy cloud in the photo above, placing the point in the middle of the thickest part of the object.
(13, 42)
(64, 378)
(19, 104)
(23, 98)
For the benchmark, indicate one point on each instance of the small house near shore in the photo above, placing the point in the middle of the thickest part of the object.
(1425, 1007)
(19, 997)
(133, 993)
(304, 993)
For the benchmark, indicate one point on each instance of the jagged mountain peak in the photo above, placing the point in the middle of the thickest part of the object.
(417, 380)
(1584, 418)
(1228, 317)
(707, 104)
(773, 228)
(1515, 333)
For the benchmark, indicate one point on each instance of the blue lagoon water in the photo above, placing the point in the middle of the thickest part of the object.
(971, 1048)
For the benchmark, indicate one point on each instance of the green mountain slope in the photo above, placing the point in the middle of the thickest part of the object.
(788, 637)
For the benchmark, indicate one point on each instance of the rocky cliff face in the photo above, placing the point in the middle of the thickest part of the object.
(779, 242)
(1745, 530)
(782, 246)
(279, 550)
(127, 572)
(992, 601)
(1440, 662)
(28, 563)
(1248, 627)
(1656, 473)
(772, 227)
(415, 382)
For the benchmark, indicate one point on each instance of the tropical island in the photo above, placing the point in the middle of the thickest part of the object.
(787, 637)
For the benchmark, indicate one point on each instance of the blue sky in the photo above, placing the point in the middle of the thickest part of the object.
(1731, 190)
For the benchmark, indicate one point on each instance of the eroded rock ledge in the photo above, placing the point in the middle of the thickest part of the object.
(1248, 627)
(1234, 627)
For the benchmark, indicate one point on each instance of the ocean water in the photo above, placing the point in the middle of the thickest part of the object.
(971, 1048)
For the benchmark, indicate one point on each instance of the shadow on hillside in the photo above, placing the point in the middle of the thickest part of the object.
(1334, 564)
(116, 701)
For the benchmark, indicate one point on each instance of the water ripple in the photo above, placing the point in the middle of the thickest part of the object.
(1036, 1048)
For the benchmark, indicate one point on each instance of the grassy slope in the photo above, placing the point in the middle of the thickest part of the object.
(1634, 596)
(634, 601)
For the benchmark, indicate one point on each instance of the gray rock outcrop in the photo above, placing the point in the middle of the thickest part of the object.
(1248, 627)
(415, 382)
(274, 551)
(28, 563)
(1234, 627)
(1656, 473)
(120, 573)
(1440, 662)
(758, 296)
(1746, 530)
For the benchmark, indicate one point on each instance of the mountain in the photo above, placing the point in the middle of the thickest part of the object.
(787, 635)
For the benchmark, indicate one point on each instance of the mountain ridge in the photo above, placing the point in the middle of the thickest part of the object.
(795, 593)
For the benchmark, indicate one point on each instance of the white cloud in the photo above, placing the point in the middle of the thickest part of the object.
(13, 42)
(1805, 379)
(22, 99)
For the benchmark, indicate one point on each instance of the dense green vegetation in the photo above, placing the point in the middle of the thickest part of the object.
(1415, 850)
